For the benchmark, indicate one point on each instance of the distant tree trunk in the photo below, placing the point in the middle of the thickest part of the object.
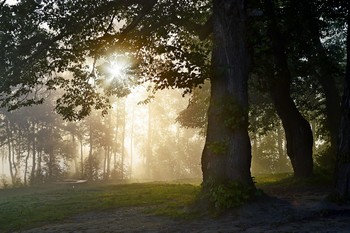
(108, 147)
(90, 175)
(75, 154)
(14, 160)
(39, 172)
(9, 148)
(32, 176)
(51, 162)
(149, 154)
(116, 137)
(123, 142)
(297, 129)
(280, 143)
(227, 151)
(17, 159)
(82, 156)
(131, 139)
(105, 164)
(26, 163)
(282, 157)
(342, 174)
(108, 161)
(313, 128)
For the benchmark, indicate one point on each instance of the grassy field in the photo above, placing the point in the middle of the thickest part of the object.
(23, 208)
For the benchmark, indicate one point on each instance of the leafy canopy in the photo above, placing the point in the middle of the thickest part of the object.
(61, 45)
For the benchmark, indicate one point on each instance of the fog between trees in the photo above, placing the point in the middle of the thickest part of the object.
(158, 140)
(133, 141)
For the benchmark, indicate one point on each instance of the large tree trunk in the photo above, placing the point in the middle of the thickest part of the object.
(297, 129)
(342, 184)
(227, 151)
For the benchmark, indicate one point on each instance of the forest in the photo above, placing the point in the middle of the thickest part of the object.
(220, 91)
(134, 141)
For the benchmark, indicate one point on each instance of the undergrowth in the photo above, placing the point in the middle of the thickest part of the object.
(227, 195)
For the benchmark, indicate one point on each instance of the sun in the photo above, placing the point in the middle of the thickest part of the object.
(117, 69)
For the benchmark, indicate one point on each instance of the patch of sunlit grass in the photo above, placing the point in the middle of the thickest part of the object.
(271, 178)
(20, 211)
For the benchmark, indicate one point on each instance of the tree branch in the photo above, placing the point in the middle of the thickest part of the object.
(202, 31)
(2, 4)
(147, 6)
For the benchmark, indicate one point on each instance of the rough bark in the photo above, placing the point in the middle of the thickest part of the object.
(297, 129)
(342, 182)
(227, 151)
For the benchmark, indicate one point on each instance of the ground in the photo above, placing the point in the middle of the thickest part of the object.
(283, 210)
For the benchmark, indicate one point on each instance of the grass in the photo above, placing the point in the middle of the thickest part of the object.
(288, 180)
(26, 208)
(268, 179)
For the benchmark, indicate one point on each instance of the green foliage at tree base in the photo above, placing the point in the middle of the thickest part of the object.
(229, 194)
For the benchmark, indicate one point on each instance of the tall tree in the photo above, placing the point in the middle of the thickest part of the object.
(297, 129)
(342, 182)
(227, 151)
